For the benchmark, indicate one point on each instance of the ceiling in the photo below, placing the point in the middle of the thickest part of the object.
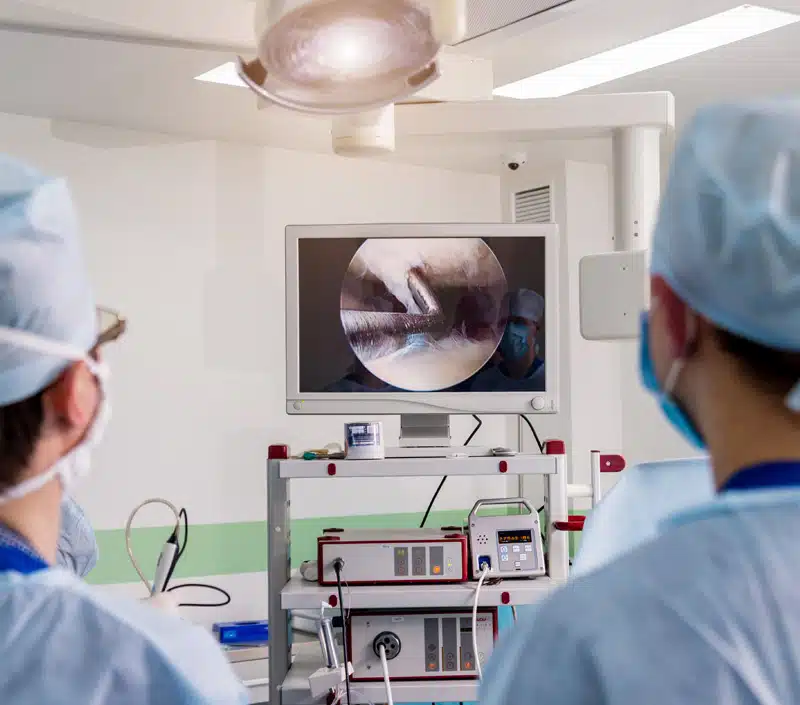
(130, 65)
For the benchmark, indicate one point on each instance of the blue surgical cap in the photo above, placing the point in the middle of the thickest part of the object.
(728, 233)
(526, 304)
(44, 287)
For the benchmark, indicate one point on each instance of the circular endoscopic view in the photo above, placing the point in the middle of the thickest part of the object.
(423, 314)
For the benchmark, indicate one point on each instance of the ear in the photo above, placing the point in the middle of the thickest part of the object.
(676, 319)
(71, 401)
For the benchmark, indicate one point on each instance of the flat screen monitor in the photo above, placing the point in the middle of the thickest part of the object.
(422, 318)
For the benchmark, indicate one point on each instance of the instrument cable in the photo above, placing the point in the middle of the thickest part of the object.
(539, 444)
(338, 564)
(444, 479)
(386, 681)
(173, 538)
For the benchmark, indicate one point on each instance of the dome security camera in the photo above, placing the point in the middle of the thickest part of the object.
(515, 160)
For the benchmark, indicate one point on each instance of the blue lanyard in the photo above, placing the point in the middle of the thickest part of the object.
(16, 555)
(765, 476)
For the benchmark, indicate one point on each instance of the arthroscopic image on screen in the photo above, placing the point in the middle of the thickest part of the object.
(432, 314)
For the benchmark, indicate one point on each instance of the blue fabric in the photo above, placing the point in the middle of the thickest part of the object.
(765, 475)
(669, 407)
(493, 379)
(44, 287)
(63, 643)
(705, 613)
(727, 238)
(77, 547)
(9, 537)
(16, 555)
(633, 511)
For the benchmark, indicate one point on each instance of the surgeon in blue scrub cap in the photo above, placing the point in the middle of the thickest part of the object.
(60, 641)
(708, 610)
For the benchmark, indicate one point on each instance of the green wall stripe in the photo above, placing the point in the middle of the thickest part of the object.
(225, 549)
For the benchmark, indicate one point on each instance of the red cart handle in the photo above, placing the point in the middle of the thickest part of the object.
(574, 523)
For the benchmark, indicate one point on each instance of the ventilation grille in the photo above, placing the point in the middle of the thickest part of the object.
(533, 206)
(485, 16)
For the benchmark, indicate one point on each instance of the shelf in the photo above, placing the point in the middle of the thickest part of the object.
(295, 690)
(299, 594)
(528, 464)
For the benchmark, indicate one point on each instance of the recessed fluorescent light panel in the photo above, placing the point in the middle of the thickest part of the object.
(224, 74)
(679, 43)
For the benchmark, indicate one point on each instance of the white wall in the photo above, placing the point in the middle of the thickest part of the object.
(187, 239)
(603, 405)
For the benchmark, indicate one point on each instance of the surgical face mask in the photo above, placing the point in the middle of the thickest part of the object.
(77, 462)
(514, 343)
(669, 406)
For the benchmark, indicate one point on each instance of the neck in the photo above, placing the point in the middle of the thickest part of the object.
(750, 430)
(37, 517)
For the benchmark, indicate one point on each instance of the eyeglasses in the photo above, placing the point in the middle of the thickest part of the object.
(110, 325)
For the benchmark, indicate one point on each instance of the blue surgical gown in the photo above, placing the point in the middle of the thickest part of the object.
(63, 643)
(77, 547)
(707, 612)
(631, 513)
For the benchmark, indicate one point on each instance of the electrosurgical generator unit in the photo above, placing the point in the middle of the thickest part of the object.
(385, 557)
(507, 546)
(431, 644)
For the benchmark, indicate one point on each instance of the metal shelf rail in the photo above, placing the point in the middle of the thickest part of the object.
(288, 682)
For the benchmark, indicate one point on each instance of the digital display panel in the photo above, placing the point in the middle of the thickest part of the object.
(518, 536)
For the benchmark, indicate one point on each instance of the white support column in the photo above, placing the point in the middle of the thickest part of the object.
(557, 508)
(637, 185)
(278, 574)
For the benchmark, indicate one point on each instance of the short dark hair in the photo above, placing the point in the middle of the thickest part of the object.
(777, 370)
(20, 429)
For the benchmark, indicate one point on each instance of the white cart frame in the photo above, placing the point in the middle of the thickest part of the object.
(288, 679)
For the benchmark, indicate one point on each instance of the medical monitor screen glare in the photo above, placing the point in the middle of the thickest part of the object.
(421, 315)
(514, 537)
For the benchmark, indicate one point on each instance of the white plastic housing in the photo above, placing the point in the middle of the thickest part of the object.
(433, 644)
(364, 134)
(613, 292)
(448, 19)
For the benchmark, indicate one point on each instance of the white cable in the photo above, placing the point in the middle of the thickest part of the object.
(128, 546)
(475, 654)
(385, 667)
(340, 694)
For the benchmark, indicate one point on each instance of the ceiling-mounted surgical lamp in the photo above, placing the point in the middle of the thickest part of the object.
(336, 57)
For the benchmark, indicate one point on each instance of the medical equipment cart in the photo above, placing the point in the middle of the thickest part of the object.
(289, 672)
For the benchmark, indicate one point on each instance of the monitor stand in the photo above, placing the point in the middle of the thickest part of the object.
(428, 436)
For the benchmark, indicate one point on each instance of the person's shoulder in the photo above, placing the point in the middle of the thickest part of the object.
(144, 647)
(666, 567)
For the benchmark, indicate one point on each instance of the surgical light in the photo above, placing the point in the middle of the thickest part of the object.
(679, 43)
(348, 56)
